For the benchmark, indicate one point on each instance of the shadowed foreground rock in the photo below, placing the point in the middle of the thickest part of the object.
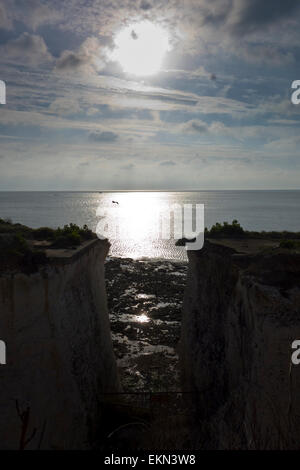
(59, 351)
(241, 313)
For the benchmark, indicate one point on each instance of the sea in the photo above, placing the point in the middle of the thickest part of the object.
(135, 221)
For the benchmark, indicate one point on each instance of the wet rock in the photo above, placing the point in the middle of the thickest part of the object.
(145, 314)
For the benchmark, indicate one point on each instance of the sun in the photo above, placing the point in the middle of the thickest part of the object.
(140, 48)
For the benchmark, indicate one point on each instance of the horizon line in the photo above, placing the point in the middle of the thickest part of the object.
(134, 190)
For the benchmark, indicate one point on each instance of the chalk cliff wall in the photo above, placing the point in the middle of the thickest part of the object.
(59, 351)
(241, 314)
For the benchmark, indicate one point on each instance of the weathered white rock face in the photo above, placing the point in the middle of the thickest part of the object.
(241, 315)
(59, 351)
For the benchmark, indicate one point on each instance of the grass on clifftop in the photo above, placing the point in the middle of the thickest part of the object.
(17, 249)
(290, 244)
(68, 236)
(234, 230)
(225, 230)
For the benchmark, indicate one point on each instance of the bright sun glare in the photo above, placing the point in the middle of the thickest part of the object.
(140, 48)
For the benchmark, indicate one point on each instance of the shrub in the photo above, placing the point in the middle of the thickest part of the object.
(225, 230)
(290, 244)
(44, 233)
(13, 244)
(71, 235)
(86, 232)
(16, 252)
(66, 240)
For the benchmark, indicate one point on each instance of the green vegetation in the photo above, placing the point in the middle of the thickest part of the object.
(44, 233)
(70, 235)
(225, 230)
(16, 252)
(6, 226)
(19, 247)
(290, 244)
(234, 230)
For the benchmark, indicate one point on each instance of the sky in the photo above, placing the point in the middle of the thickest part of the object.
(91, 106)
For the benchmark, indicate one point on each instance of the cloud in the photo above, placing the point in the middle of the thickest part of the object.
(266, 53)
(219, 128)
(167, 163)
(27, 48)
(240, 17)
(234, 26)
(103, 136)
(72, 60)
(35, 13)
(64, 106)
(130, 166)
(144, 5)
(5, 19)
(195, 126)
(237, 132)
(200, 72)
(250, 15)
(88, 57)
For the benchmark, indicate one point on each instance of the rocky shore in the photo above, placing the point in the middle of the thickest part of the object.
(144, 301)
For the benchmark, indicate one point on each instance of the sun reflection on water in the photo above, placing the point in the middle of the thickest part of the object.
(142, 318)
(134, 222)
(135, 216)
(139, 216)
